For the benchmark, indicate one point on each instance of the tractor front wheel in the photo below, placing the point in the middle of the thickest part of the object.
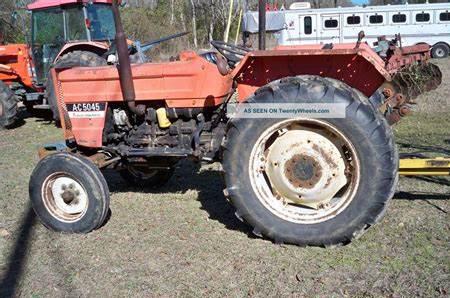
(307, 181)
(8, 107)
(69, 193)
(69, 60)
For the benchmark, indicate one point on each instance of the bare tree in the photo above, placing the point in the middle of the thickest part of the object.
(172, 12)
(194, 23)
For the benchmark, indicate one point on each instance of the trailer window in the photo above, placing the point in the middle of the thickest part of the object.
(399, 18)
(308, 25)
(444, 16)
(376, 19)
(422, 17)
(331, 23)
(353, 20)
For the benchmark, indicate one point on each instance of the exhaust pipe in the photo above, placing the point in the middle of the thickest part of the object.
(262, 25)
(124, 67)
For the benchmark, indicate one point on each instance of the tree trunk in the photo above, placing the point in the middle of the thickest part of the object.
(194, 23)
(212, 18)
(172, 12)
(228, 27)
(183, 21)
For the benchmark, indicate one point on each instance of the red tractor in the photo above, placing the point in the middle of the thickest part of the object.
(302, 180)
(65, 33)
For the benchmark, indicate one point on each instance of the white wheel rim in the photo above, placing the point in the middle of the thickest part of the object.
(440, 52)
(64, 197)
(304, 171)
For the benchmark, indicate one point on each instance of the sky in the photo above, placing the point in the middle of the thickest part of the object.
(360, 2)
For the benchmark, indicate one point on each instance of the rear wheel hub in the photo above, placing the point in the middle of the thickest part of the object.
(304, 171)
(305, 168)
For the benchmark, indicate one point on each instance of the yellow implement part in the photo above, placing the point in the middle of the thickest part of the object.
(425, 167)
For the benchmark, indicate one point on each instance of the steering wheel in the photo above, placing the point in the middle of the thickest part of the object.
(230, 51)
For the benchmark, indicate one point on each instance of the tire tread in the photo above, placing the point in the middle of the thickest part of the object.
(10, 110)
(374, 124)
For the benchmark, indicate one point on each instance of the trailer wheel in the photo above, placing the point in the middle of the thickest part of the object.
(146, 178)
(8, 107)
(303, 181)
(69, 60)
(69, 193)
(440, 50)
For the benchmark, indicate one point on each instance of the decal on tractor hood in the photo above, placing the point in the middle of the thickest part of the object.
(86, 110)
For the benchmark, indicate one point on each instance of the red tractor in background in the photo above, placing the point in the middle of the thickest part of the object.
(16, 74)
(64, 33)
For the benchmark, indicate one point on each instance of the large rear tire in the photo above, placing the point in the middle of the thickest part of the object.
(317, 182)
(69, 193)
(69, 60)
(8, 107)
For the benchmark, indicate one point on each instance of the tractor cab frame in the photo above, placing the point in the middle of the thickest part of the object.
(59, 26)
(65, 34)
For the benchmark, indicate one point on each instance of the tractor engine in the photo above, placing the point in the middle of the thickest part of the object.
(173, 132)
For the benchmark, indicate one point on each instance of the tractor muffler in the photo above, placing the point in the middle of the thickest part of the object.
(124, 66)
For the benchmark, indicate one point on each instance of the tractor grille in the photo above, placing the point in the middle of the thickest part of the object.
(65, 120)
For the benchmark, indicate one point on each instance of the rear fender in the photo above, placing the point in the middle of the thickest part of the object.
(360, 68)
(95, 47)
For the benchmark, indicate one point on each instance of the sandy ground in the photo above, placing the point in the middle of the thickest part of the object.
(183, 240)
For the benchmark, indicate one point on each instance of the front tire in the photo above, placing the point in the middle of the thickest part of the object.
(69, 193)
(8, 107)
(317, 182)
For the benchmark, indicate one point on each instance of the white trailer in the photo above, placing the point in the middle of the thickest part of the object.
(417, 23)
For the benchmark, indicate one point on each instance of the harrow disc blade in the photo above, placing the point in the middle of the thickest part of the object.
(417, 79)
(436, 75)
